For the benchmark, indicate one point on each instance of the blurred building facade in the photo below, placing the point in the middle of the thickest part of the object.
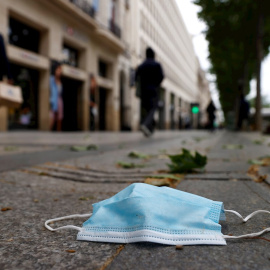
(106, 38)
(160, 25)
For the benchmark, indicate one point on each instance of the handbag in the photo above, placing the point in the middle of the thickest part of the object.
(10, 96)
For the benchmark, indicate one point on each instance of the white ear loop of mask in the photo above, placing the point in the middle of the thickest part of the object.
(67, 226)
(245, 220)
(225, 236)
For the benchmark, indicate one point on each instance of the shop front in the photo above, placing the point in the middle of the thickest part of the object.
(73, 81)
(29, 69)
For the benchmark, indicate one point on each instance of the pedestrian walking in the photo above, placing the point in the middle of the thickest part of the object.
(211, 115)
(149, 76)
(4, 63)
(243, 112)
(56, 100)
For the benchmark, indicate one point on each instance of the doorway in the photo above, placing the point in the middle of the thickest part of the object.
(102, 108)
(161, 109)
(172, 112)
(26, 116)
(71, 99)
(124, 108)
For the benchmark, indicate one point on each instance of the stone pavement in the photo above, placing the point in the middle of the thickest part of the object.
(62, 182)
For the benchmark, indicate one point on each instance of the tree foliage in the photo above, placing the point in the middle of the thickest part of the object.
(232, 35)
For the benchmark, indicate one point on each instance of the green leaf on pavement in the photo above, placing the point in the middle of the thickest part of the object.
(263, 161)
(259, 142)
(86, 198)
(186, 162)
(255, 162)
(135, 154)
(232, 146)
(11, 148)
(81, 148)
(92, 147)
(198, 139)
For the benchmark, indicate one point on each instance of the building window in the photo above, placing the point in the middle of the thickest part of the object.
(102, 69)
(113, 17)
(127, 4)
(23, 35)
(86, 6)
(70, 56)
(95, 5)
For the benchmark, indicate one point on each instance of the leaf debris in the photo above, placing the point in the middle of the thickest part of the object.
(135, 154)
(70, 250)
(232, 146)
(80, 148)
(6, 209)
(129, 165)
(169, 180)
(186, 162)
(253, 172)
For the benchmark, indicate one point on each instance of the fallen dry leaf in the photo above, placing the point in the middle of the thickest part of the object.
(261, 178)
(253, 172)
(179, 247)
(10, 240)
(266, 161)
(71, 250)
(36, 200)
(161, 181)
(6, 209)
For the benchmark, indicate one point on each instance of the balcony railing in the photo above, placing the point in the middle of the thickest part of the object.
(114, 28)
(85, 7)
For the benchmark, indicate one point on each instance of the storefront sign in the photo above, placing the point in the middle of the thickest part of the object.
(18, 55)
(30, 57)
(74, 73)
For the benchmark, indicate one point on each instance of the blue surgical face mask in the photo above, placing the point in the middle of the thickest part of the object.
(163, 215)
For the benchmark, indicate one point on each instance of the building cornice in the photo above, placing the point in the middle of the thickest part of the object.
(97, 31)
(109, 40)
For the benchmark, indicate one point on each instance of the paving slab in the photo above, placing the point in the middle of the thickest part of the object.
(26, 244)
(34, 195)
(238, 254)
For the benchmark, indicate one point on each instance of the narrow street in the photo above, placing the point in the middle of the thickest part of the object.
(42, 178)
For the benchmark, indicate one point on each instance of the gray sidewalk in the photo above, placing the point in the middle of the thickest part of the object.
(70, 185)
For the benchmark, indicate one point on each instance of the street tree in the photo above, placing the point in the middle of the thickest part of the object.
(238, 32)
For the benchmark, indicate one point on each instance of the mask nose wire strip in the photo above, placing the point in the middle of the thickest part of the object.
(67, 226)
(245, 220)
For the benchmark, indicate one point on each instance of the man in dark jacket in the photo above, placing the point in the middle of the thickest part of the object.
(149, 75)
(211, 115)
(4, 64)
